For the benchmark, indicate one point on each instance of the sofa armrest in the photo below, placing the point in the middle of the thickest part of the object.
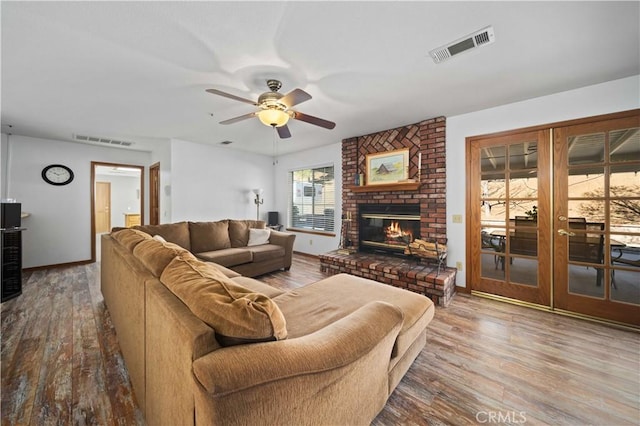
(286, 240)
(335, 346)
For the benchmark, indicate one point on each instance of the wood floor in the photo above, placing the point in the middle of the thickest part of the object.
(485, 362)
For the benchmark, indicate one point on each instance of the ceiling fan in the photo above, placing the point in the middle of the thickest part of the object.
(275, 108)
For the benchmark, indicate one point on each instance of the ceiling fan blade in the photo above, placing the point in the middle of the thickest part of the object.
(240, 118)
(230, 96)
(313, 120)
(283, 132)
(295, 97)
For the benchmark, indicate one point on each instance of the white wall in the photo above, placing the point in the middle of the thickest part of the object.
(59, 228)
(325, 155)
(212, 183)
(125, 196)
(613, 96)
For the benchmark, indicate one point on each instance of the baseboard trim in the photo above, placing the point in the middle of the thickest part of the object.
(557, 311)
(313, 256)
(58, 265)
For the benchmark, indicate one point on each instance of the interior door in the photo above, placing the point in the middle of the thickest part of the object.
(509, 225)
(154, 194)
(597, 219)
(103, 207)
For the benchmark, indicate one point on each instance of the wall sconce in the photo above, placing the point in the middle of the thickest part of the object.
(258, 201)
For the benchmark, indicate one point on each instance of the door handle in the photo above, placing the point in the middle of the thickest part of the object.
(565, 232)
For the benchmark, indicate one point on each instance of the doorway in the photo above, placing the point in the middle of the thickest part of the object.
(554, 216)
(117, 199)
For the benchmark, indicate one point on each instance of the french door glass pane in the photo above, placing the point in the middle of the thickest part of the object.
(522, 208)
(624, 145)
(492, 159)
(524, 271)
(586, 280)
(493, 193)
(589, 210)
(586, 149)
(492, 266)
(625, 262)
(523, 185)
(493, 186)
(586, 182)
(523, 156)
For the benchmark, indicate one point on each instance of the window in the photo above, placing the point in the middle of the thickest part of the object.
(312, 202)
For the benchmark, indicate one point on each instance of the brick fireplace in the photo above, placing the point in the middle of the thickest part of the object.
(427, 138)
(426, 141)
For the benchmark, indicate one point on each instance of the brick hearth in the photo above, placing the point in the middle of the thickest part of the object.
(406, 273)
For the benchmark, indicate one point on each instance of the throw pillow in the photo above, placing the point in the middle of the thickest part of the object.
(159, 238)
(209, 236)
(235, 313)
(258, 236)
(239, 231)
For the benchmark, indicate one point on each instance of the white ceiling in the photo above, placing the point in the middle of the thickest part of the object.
(137, 71)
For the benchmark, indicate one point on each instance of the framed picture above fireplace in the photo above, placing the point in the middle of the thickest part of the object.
(387, 167)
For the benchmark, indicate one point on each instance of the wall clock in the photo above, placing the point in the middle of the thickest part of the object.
(57, 174)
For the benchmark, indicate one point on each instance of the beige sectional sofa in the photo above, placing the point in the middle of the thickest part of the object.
(225, 242)
(327, 353)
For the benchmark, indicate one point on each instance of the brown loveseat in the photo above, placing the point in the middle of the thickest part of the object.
(225, 243)
(328, 353)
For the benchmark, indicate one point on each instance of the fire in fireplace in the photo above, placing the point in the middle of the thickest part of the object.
(388, 227)
(396, 235)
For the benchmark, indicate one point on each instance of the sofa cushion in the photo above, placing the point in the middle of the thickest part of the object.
(226, 271)
(155, 255)
(130, 237)
(208, 236)
(258, 236)
(227, 257)
(237, 314)
(177, 233)
(266, 252)
(257, 286)
(239, 231)
(330, 299)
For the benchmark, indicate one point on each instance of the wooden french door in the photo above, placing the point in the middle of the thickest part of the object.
(509, 211)
(597, 219)
(554, 216)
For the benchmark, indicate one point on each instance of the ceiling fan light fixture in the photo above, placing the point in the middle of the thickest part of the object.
(273, 117)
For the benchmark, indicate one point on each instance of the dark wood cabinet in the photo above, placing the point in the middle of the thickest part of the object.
(11, 240)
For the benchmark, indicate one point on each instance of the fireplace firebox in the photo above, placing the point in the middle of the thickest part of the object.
(388, 228)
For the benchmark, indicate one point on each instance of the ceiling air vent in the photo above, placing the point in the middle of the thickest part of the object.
(479, 38)
(226, 143)
(103, 141)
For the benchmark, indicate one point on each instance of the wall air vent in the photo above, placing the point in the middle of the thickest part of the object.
(102, 141)
(479, 38)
